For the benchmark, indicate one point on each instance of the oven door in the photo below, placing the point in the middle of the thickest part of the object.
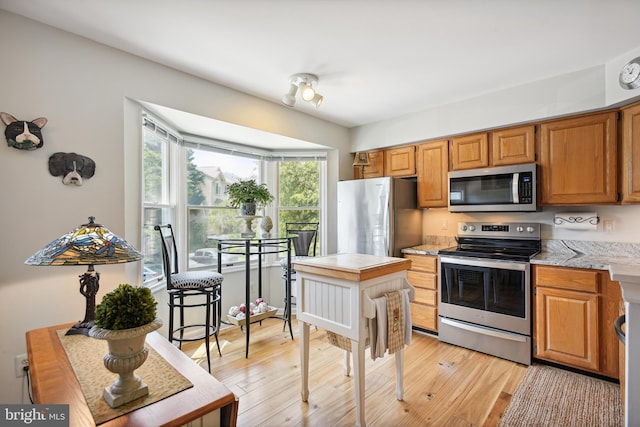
(486, 292)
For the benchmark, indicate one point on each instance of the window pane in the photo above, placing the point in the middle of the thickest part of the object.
(299, 184)
(204, 223)
(152, 269)
(209, 173)
(156, 165)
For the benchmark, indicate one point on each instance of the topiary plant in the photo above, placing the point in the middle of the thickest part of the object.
(126, 307)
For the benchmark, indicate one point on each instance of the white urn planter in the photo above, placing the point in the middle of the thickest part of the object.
(127, 353)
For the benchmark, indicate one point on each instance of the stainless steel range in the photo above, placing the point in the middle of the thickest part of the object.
(485, 289)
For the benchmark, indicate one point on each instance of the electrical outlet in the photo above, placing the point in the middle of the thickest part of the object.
(444, 225)
(608, 226)
(21, 362)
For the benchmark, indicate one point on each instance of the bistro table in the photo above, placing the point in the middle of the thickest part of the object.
(258, 245)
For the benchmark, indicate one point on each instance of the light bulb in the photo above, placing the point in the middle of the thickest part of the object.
(306, 92)
(317, 100)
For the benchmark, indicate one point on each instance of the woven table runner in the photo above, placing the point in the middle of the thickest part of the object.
(85, 355)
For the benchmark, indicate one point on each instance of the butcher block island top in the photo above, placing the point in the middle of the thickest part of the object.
(352, 267)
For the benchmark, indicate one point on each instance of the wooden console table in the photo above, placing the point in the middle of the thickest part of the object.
(336, 293)
(208, 402)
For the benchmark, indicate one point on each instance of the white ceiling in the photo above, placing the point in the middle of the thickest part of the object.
(375, 59)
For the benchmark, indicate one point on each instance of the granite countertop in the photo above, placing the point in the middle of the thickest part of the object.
(431, 246)
(423, 250)
(587, 254)
(562, 253)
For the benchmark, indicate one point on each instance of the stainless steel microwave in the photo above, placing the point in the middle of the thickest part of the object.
(500, 189)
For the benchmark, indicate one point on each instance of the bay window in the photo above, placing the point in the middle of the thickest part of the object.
(185, 178)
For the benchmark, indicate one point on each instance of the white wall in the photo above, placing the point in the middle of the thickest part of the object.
(86, 91)
(561, 95)
(624, 218)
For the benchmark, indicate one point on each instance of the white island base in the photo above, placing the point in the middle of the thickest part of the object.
(336, 293)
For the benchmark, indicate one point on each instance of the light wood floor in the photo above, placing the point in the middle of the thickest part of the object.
(444, 385)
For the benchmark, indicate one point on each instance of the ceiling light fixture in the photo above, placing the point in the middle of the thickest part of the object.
(303, 82)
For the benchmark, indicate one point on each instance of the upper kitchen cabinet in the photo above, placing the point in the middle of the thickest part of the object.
(578, 160)
(513, 146)
(375, 168)
(400, 161)
(631, 154)
(432, 159)
(470, 152)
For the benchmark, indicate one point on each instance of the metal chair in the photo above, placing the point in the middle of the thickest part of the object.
(304, 246)
(202, 288)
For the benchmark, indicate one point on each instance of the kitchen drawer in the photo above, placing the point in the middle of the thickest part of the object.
(425, 263)
(422, 280)
(574, 279)
(424, 316)
(426, 296)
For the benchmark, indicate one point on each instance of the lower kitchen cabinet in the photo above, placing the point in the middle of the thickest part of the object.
(574, 311)
(423, 275)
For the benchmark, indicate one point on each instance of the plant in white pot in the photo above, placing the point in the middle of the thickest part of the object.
(124, 318)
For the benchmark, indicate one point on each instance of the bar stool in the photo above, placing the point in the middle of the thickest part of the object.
(304, 246)
(201, 288)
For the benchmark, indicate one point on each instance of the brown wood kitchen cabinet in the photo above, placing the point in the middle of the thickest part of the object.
(513, 146)
(630, 158)
(574, 311)
(423, 275)
(469, 152)
(400, 161)
(432, 163)
(578, 160)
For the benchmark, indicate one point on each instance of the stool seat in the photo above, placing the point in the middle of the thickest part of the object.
(195, 279)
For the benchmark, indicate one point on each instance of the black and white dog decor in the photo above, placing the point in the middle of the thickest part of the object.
(22, 134)
(72, 167)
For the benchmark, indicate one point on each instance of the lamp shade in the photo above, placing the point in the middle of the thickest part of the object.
(88, 244)
(361, 158)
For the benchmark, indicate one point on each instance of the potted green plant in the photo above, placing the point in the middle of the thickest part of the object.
(124, 317)
(248, 195)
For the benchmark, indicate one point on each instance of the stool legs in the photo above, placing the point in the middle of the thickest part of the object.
(213, 307)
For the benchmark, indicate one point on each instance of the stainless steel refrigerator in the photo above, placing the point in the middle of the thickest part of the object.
(378, 216)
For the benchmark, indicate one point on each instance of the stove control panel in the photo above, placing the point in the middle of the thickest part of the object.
(507, 230)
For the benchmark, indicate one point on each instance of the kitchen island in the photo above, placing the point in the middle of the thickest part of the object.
(336, 293)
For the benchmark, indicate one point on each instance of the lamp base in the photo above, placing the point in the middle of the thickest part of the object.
(80, 328)
(89, 285)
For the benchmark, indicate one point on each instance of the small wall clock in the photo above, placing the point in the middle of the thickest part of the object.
(630, 74)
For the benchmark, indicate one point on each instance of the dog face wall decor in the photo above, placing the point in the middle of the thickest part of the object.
(72, 167)
(22, 134)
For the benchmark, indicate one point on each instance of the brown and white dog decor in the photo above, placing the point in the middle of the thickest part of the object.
(72, 167)
(22, 134)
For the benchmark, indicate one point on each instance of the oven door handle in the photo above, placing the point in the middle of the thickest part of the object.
(483, 331)
(484, 262)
